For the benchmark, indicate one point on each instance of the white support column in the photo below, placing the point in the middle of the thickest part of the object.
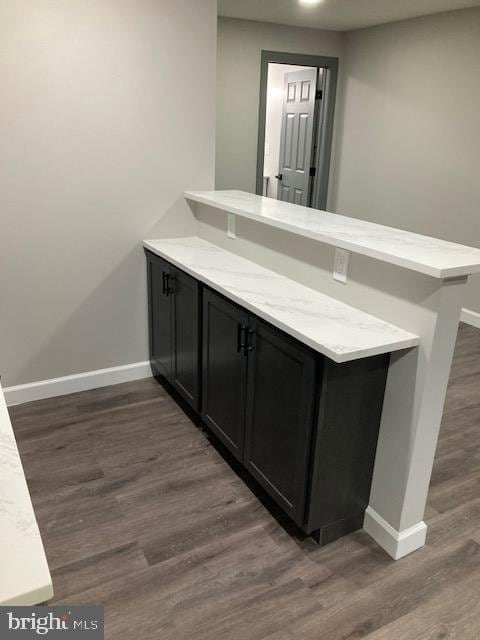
(414, 400)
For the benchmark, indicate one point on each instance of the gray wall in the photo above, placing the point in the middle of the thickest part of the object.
(106, 116)
(408, 150)
(240, 43)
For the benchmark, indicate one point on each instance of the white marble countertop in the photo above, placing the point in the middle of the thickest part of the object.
(431, 256)
(325, 324)
(24, 574)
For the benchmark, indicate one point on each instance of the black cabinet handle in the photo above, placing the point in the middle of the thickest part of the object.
(164, 285)
(249, 343)
(170, 279)
(241, 337)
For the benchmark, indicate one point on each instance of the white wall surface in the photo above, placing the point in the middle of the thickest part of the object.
(273, 121)
(240, 44)
(409, 130)
(106, 116)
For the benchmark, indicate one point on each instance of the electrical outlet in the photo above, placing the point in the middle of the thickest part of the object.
(340, 266)
(231, 226)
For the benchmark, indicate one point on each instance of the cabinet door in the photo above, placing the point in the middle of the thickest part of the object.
(224, 371)
(280, 402)
(160, 322)
(183, 290)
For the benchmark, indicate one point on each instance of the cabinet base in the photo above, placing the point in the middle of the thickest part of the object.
(332, 532)
(323, 536)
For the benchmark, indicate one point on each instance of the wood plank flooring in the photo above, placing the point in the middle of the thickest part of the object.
(140, 513)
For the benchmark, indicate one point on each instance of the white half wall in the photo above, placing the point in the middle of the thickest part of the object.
(107, 114)
(417, 379)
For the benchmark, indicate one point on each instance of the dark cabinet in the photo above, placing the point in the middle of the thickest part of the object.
(224, 370)
(160, 316)
(258, 398)
(343, 449)
(280, 403)
(305, 427)
(185, 335)
(174, 327)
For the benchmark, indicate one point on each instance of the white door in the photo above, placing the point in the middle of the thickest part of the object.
(296, 142)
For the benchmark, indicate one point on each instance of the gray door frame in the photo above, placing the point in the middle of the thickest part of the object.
(326, 117)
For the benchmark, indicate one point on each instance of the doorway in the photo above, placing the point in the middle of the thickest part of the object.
(297, 103)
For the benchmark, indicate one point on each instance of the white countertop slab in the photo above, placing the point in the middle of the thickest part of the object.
(325, 324)
(24, 574)
(431, 256)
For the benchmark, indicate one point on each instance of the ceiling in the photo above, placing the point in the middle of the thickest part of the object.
(337, 15)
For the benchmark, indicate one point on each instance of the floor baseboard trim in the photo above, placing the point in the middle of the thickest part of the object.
(77, 382)
(396, 543)
(470, 317)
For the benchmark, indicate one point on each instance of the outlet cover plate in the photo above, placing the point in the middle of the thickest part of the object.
(340, 266)
(231, 226)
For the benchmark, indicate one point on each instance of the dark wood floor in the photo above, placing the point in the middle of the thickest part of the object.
(139, 513)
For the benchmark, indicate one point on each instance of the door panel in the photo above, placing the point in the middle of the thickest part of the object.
(160, 318)
(296, 143)
(280, 401)
(288, 145)
(185, 351)
(291, 91)
(298, 196)
(224, 371)
(305, 91)
(302, 137)
(284, 193)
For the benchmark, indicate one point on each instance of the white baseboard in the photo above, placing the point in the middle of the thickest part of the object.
(470, 317)
(396, 543)
(77, 382)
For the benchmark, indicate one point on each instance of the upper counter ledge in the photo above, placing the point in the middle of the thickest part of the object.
(434, 257)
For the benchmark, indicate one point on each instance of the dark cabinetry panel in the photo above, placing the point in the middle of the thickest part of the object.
(174, 327)
(224, 370)
(305, 427)
(258, 397)
(160, 317)
(185, 336)
(280, 402)
(343, 452)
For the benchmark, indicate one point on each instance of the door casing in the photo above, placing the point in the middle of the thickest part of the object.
(324, 122)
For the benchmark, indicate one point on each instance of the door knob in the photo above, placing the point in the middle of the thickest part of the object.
(164, 283)
(279, 176)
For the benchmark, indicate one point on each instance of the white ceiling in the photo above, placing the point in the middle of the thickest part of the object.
(337, 15)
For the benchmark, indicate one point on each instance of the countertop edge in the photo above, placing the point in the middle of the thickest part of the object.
(337, 356)
(38, 585)
(35, 596)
